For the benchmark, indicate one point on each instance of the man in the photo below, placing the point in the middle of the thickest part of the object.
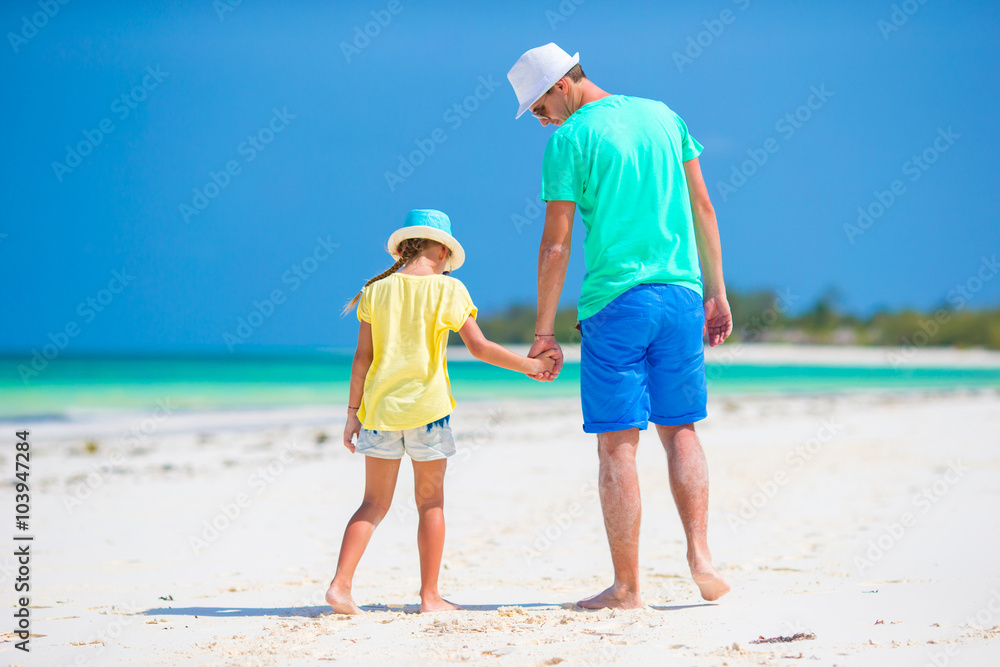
(632, 168)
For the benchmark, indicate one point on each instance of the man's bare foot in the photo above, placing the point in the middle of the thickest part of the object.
(709, 581)
(613, 598)
(436, 603)
(340, 600)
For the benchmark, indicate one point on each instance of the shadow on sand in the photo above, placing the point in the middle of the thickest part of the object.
(316, 611)
(678, 607)
(313, 612)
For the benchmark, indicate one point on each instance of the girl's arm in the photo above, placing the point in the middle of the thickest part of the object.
(498, 355)
(363, 356)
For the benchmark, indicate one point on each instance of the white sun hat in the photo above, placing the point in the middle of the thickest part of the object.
(536, 71)
(428, 223)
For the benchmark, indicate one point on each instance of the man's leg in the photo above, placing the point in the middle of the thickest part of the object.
(619, 490)
(689, 485)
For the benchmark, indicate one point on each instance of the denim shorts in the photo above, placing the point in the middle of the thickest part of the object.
(643, 360)
(423, 443)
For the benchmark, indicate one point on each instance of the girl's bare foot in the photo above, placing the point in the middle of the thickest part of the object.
(436, 603)
(613, 597)
(340, 600)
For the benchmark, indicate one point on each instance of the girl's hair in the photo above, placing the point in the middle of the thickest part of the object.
(407, 249)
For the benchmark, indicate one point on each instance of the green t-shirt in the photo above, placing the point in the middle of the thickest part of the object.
(621, 160)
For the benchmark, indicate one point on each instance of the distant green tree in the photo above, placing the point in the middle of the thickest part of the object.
(824, 315)
(755, 313)
(760, 312)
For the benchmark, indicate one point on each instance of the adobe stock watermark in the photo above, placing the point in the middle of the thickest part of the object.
(249, 149)
(294, 277)
(786, 126)
(586, 495)
(984, 619)
(121, 108)
(605, 653)
(123, 616)
(562, 12)
(795, 460)
(958, 297)
(30, 25)
(898, 17)
(467, 446)
(533, 210)
(749, 332)
(792, 627)
(767, 318)
(9, 567)
(363, 35)
(315, 598)
(697, 43)
(914, 168)
(987, 616)
(223, 7)
(257, 482)
(87, 310)
(135, 436)
(454, 116)
(923, 502)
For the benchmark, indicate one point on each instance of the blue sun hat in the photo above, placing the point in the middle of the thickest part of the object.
(427, 223)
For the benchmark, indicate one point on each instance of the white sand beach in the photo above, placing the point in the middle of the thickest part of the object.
(867, 521)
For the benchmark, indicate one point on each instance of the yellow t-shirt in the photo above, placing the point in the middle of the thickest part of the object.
(407, 385)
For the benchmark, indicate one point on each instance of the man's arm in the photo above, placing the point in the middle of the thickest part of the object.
(553, 260)
(718, 318)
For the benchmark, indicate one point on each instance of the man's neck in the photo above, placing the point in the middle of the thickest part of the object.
(589, 92)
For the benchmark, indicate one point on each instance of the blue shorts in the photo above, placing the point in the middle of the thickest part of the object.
(643, 360)
(423, 443)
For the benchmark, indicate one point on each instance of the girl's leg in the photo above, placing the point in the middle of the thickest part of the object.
(428, 489)
(380, 482)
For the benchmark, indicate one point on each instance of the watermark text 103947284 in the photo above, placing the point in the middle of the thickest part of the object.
(22, 552)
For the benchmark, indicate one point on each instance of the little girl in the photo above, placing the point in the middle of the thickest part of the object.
(400, 397)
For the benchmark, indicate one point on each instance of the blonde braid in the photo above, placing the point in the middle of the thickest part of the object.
(407, 249)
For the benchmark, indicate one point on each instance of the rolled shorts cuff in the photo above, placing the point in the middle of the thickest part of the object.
(608, 427)
(683, 419)
(375, 454)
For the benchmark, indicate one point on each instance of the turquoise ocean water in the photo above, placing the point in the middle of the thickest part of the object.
(71, 385)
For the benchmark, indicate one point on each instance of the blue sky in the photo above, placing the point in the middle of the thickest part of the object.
(309, 128)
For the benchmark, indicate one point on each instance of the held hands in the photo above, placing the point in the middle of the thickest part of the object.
(546, 362)
(538, 352)
(351, 428)
(718, 319)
